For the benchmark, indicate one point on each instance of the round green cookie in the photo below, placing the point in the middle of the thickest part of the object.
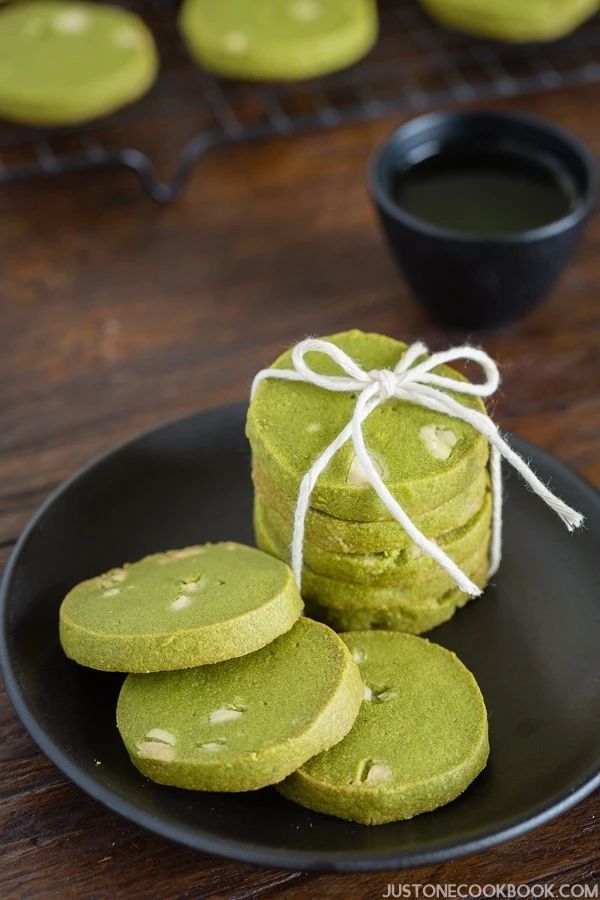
(413, 617)
(244, 723)
(420, 739)
(390, 568)
(179, 609)
(425, 458)
(513, 20)
(285, 39)
(67, 62)
(340, 536)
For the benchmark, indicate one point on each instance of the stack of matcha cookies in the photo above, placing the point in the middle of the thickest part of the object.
(231, 689)
(360, 568)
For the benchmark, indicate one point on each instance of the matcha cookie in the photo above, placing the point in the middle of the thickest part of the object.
(513, 20)
(179, 609)
(287, 39)
(420, 739)
(341, 536)
(64, 62)
(245, 723)
(425, 458)
(413, 617)
(390, 568)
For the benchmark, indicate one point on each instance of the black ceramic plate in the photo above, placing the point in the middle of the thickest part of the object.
(531, 640)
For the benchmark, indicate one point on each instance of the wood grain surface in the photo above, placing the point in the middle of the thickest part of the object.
(118, 314)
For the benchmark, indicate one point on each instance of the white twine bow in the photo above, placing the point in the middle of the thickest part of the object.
(417, 383)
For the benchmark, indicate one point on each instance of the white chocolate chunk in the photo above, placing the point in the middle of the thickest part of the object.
(438, 441)
(115, 576)
(112, 592)
(194, 584)
(181, 602)
(386, 695)
(171, 555)
(162, 736)
(305, 10)
(224, 714)
(235, 42)
(367, 693)
(71, 21)
(357, 477)
(377, 773)
(126, 37)
(213, 746)
(358, 656)
(118, 575)
(156, 751)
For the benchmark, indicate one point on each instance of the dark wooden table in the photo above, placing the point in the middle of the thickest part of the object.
(117, 315)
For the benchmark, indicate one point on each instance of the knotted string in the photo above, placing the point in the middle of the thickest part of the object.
(417, 383)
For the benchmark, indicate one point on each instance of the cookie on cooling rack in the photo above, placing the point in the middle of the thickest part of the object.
(266, 40)
(63, 63)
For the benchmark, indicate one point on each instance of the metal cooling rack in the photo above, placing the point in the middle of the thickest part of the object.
(415, 66)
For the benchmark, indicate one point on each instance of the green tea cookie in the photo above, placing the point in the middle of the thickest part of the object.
(420, 739)
(341, 536)
(244, 723)
(179, 609)
(287, 39)
(413, 617)
(389, 568)
(425, 458)
(513, 20)
(67, 62)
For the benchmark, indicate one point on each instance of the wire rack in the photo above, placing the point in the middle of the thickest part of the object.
(415, 66)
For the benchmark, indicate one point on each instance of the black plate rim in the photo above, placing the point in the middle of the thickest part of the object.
(244, 851)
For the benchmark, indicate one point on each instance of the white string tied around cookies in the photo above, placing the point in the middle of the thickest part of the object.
(416, 383)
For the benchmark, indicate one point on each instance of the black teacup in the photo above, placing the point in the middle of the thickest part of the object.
(482, 210)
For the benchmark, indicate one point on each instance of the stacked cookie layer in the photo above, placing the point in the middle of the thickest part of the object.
(360, 568)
